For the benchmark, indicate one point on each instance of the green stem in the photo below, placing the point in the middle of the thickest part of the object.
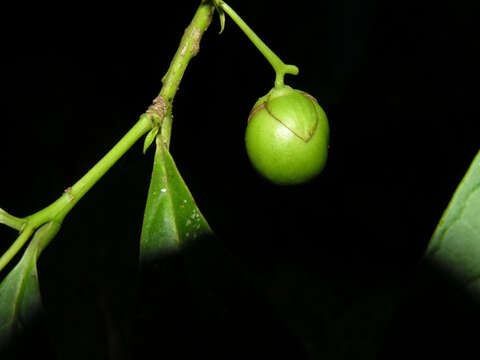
(278, 65)
(57, 211)
(60, 208)
(82, 186)
(189, 47)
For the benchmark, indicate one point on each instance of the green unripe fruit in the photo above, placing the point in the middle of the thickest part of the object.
(287, 136)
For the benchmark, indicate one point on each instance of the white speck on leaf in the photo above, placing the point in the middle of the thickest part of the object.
(163, 190)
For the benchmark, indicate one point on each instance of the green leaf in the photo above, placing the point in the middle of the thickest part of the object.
(221, 15)
(149, 138)
(171, 217)
(455, 245)
(20, 300)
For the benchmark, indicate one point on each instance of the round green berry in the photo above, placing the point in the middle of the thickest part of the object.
(287, 136)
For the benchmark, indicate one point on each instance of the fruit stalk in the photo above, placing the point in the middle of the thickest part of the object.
(278, 65)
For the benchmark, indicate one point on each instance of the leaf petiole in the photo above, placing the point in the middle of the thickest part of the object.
(11, 221)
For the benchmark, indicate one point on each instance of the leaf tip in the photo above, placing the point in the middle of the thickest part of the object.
(149, 139)
(221, 15)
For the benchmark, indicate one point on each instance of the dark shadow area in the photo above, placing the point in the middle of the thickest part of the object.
(206, 305)
(202, 300)
(437, 318)
(29, 339)
(325, 270)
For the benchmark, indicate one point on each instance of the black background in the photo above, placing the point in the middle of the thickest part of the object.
(329, 268)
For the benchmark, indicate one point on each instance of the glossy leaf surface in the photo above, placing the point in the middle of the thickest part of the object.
(455, 245)
(171, 218)
(20, 300)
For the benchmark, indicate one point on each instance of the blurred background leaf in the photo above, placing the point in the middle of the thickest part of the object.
(455, 245)
(395, 80)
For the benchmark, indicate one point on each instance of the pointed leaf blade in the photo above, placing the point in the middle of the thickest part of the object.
(171, 217)
(152, 134)
(20, 299)
(221, 15)
(455, 244)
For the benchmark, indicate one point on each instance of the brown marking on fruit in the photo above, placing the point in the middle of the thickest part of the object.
(317, 115)
(281, 122)
(308, 96)
(255, 110)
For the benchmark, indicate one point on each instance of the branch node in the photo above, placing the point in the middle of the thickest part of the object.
(158, 109)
